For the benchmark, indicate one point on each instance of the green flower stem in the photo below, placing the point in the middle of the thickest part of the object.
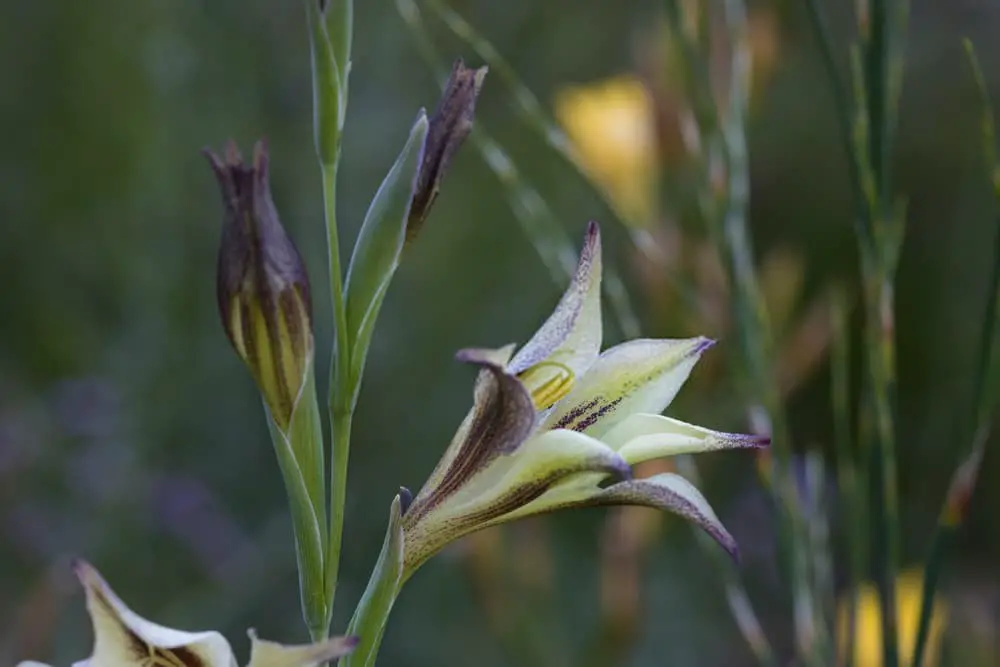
(330, 34)
(341, 390)
(372, 613)
(294, 448)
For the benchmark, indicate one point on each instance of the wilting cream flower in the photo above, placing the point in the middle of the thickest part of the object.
(868, 623)
(561, 424)
(611, 127)
(122, 638)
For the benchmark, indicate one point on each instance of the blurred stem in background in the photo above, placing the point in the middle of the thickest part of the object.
(723, 205)
(869, 133)
(956, 503)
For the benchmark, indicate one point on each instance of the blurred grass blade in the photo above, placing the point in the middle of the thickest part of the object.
(306, 500)
(984, 397)
(372, 612)
(952, 516)
(736, 595)
(530, 110)
(855, 518)
(533, 114)
(540, 225)
(379, 245)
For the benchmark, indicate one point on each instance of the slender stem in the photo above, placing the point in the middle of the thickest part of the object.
(755, 326)
(956, 502)
(842, 107)
(855, 516)
(879, 57)
(340, 387)
(736, 595)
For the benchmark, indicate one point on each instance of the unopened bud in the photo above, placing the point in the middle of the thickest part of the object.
(262, 285)
(449, 127)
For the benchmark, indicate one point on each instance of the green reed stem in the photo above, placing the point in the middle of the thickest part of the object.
(754, 322)
(981, 404)
(881, 53)
(842, 109)
(982, 398)
(725, 212)
(852, 493)
(870, 140)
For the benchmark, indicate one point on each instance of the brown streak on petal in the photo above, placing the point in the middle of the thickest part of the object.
(504, 415)
(584, 416)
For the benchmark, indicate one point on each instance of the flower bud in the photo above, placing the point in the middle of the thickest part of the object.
(449, 127)
(261, 283)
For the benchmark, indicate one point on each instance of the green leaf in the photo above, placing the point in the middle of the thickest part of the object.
(368, 623)
(300, 454)
(330, 43)
(380, 243)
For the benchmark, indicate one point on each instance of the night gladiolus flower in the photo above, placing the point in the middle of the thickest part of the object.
(560, 424)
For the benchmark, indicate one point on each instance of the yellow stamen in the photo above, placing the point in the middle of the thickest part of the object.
(547, 392)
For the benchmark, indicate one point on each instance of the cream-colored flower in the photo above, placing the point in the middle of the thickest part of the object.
(122, 638)
(560, 424)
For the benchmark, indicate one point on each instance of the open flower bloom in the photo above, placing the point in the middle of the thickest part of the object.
(122, 638)
(560, 424)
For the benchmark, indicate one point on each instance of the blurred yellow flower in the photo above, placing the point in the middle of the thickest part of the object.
(868, 628)
(610, 125)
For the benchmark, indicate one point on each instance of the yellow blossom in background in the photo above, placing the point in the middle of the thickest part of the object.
(868, 624)
(610, 125)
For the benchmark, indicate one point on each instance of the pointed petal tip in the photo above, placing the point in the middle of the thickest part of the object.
(591, 242)
(496, 359)
(85, 572)
(623, 470)
(702, 344)
(733, 550)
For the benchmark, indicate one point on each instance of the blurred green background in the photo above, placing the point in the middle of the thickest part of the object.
(130, 433)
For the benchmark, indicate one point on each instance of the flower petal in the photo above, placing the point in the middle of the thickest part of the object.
(541, 463)
(638, 376)
(673, 493)
(122, 638)
(270, 654)
(569, 341)
(502, 417)
(642, 437)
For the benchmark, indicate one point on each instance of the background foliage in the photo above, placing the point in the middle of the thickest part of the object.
(131, 434)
